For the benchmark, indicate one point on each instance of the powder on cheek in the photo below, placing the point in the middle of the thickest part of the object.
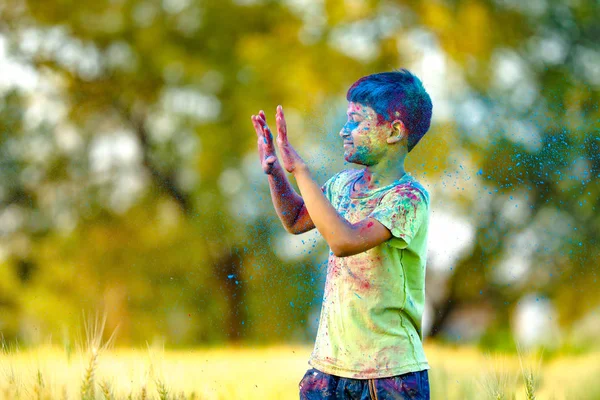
(362, 152)
(367, 125)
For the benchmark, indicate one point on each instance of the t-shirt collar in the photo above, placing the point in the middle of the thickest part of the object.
(372, 192)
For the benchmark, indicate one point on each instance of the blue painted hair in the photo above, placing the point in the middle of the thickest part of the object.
(396, 95)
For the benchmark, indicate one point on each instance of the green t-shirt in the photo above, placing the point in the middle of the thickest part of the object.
(370, 325)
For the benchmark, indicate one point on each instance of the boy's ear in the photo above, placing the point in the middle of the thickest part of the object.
(397, 133)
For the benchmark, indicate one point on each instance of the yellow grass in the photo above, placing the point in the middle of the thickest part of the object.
(260, 373)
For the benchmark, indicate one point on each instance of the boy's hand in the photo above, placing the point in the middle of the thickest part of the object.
(291, 159)
(266, 150)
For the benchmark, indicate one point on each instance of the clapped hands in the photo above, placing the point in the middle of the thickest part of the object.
(289, 157)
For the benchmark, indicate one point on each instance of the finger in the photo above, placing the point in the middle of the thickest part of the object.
(281, 124)
(263, 118)
(265, 128)
(257, 126)
(262, 130)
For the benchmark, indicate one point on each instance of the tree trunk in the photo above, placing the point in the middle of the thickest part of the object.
(227, 265)
(228, 271)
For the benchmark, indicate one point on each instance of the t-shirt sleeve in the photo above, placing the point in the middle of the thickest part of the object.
(402, 211)
(327, 186)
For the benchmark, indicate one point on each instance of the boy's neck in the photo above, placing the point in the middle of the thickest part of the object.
(381, 174)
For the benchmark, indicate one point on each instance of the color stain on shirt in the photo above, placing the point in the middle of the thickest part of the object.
(373, 302)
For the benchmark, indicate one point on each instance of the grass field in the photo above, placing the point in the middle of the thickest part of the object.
(273, 373)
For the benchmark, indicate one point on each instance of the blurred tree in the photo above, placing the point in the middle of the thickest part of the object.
(147, 104)
(530, 67)
(129, 177)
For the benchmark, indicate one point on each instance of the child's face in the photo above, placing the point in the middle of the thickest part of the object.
(364, 138)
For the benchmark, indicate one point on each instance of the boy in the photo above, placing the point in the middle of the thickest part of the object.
(375, 221)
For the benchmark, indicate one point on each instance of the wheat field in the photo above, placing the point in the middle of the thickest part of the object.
(274, 373)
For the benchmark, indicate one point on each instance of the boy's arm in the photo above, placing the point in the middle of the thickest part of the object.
(288, 204)
(344, 239)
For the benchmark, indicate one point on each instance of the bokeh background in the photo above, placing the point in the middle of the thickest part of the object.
(130, 181)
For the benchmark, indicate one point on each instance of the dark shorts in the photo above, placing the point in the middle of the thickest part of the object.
(319, 385)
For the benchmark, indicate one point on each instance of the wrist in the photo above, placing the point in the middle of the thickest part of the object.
(275, 177)
(275, 168)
